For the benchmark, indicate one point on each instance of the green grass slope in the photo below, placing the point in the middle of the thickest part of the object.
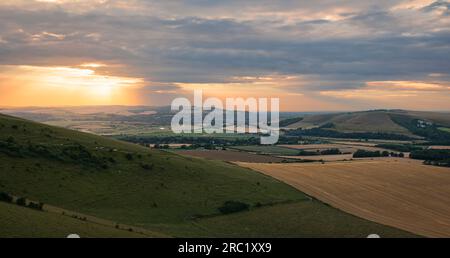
(301, 219)
(21, 222)
(130, 184)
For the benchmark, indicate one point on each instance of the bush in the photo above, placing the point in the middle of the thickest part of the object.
(36, 206)
(433, 157)
(4, 197)
(400, 147)
(308, 153)
(331, 152)
(11, 140)
(129, 156)
(431, 154)
(367, 154)
(147, 166)
(22, 201)
(233, 207)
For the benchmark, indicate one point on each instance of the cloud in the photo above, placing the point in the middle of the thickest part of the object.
(328, 46)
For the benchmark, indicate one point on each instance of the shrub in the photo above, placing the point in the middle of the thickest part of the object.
(147, 166)
(11, 139)
(4, 197)
(129, 156)
(36, 206)
(431, 154)
(307, 153)
(22, 201)
(366, 154)
(233, 207)
(331, 152)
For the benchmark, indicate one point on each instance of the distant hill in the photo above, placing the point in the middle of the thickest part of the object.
(155, 190)
(380, 121)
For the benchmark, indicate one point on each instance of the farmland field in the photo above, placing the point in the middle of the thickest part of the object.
(230, 156)
(345, 148)
(322, 157)
(439, 147)
(276, 150)
(401, 193)
(114, 183)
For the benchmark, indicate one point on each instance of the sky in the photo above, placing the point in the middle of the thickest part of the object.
(323, 55)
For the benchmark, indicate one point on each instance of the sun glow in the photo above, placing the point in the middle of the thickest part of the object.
(63, 86)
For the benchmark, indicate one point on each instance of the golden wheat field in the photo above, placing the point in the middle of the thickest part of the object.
(401, 193)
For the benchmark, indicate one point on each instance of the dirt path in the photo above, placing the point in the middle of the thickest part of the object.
(401, 193)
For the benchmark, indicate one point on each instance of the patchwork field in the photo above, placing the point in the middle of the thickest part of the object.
(109, 183)
(401, 193)
(274, 150)
(322, 157)
(345, 148)
(235, 156)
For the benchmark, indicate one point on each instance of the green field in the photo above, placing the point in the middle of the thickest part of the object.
(133, 185)
(300, 219)
(444, 129)
(274, 150)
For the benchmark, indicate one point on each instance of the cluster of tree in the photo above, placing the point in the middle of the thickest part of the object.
(322, 132)
(400, 147)
(233, 207)
(376, 154)
(433, 157)
(164, 140)
(209, 141)
(319, 152)
(430, 132)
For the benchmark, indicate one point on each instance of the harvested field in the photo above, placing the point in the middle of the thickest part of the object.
(235, 156)
(439, 147)
(401, 193)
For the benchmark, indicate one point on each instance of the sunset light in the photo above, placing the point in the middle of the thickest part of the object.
(63, 86)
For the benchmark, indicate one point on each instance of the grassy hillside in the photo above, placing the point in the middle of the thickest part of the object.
(130, 184)
(375, 121)
(18, 221)
(301, 219)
